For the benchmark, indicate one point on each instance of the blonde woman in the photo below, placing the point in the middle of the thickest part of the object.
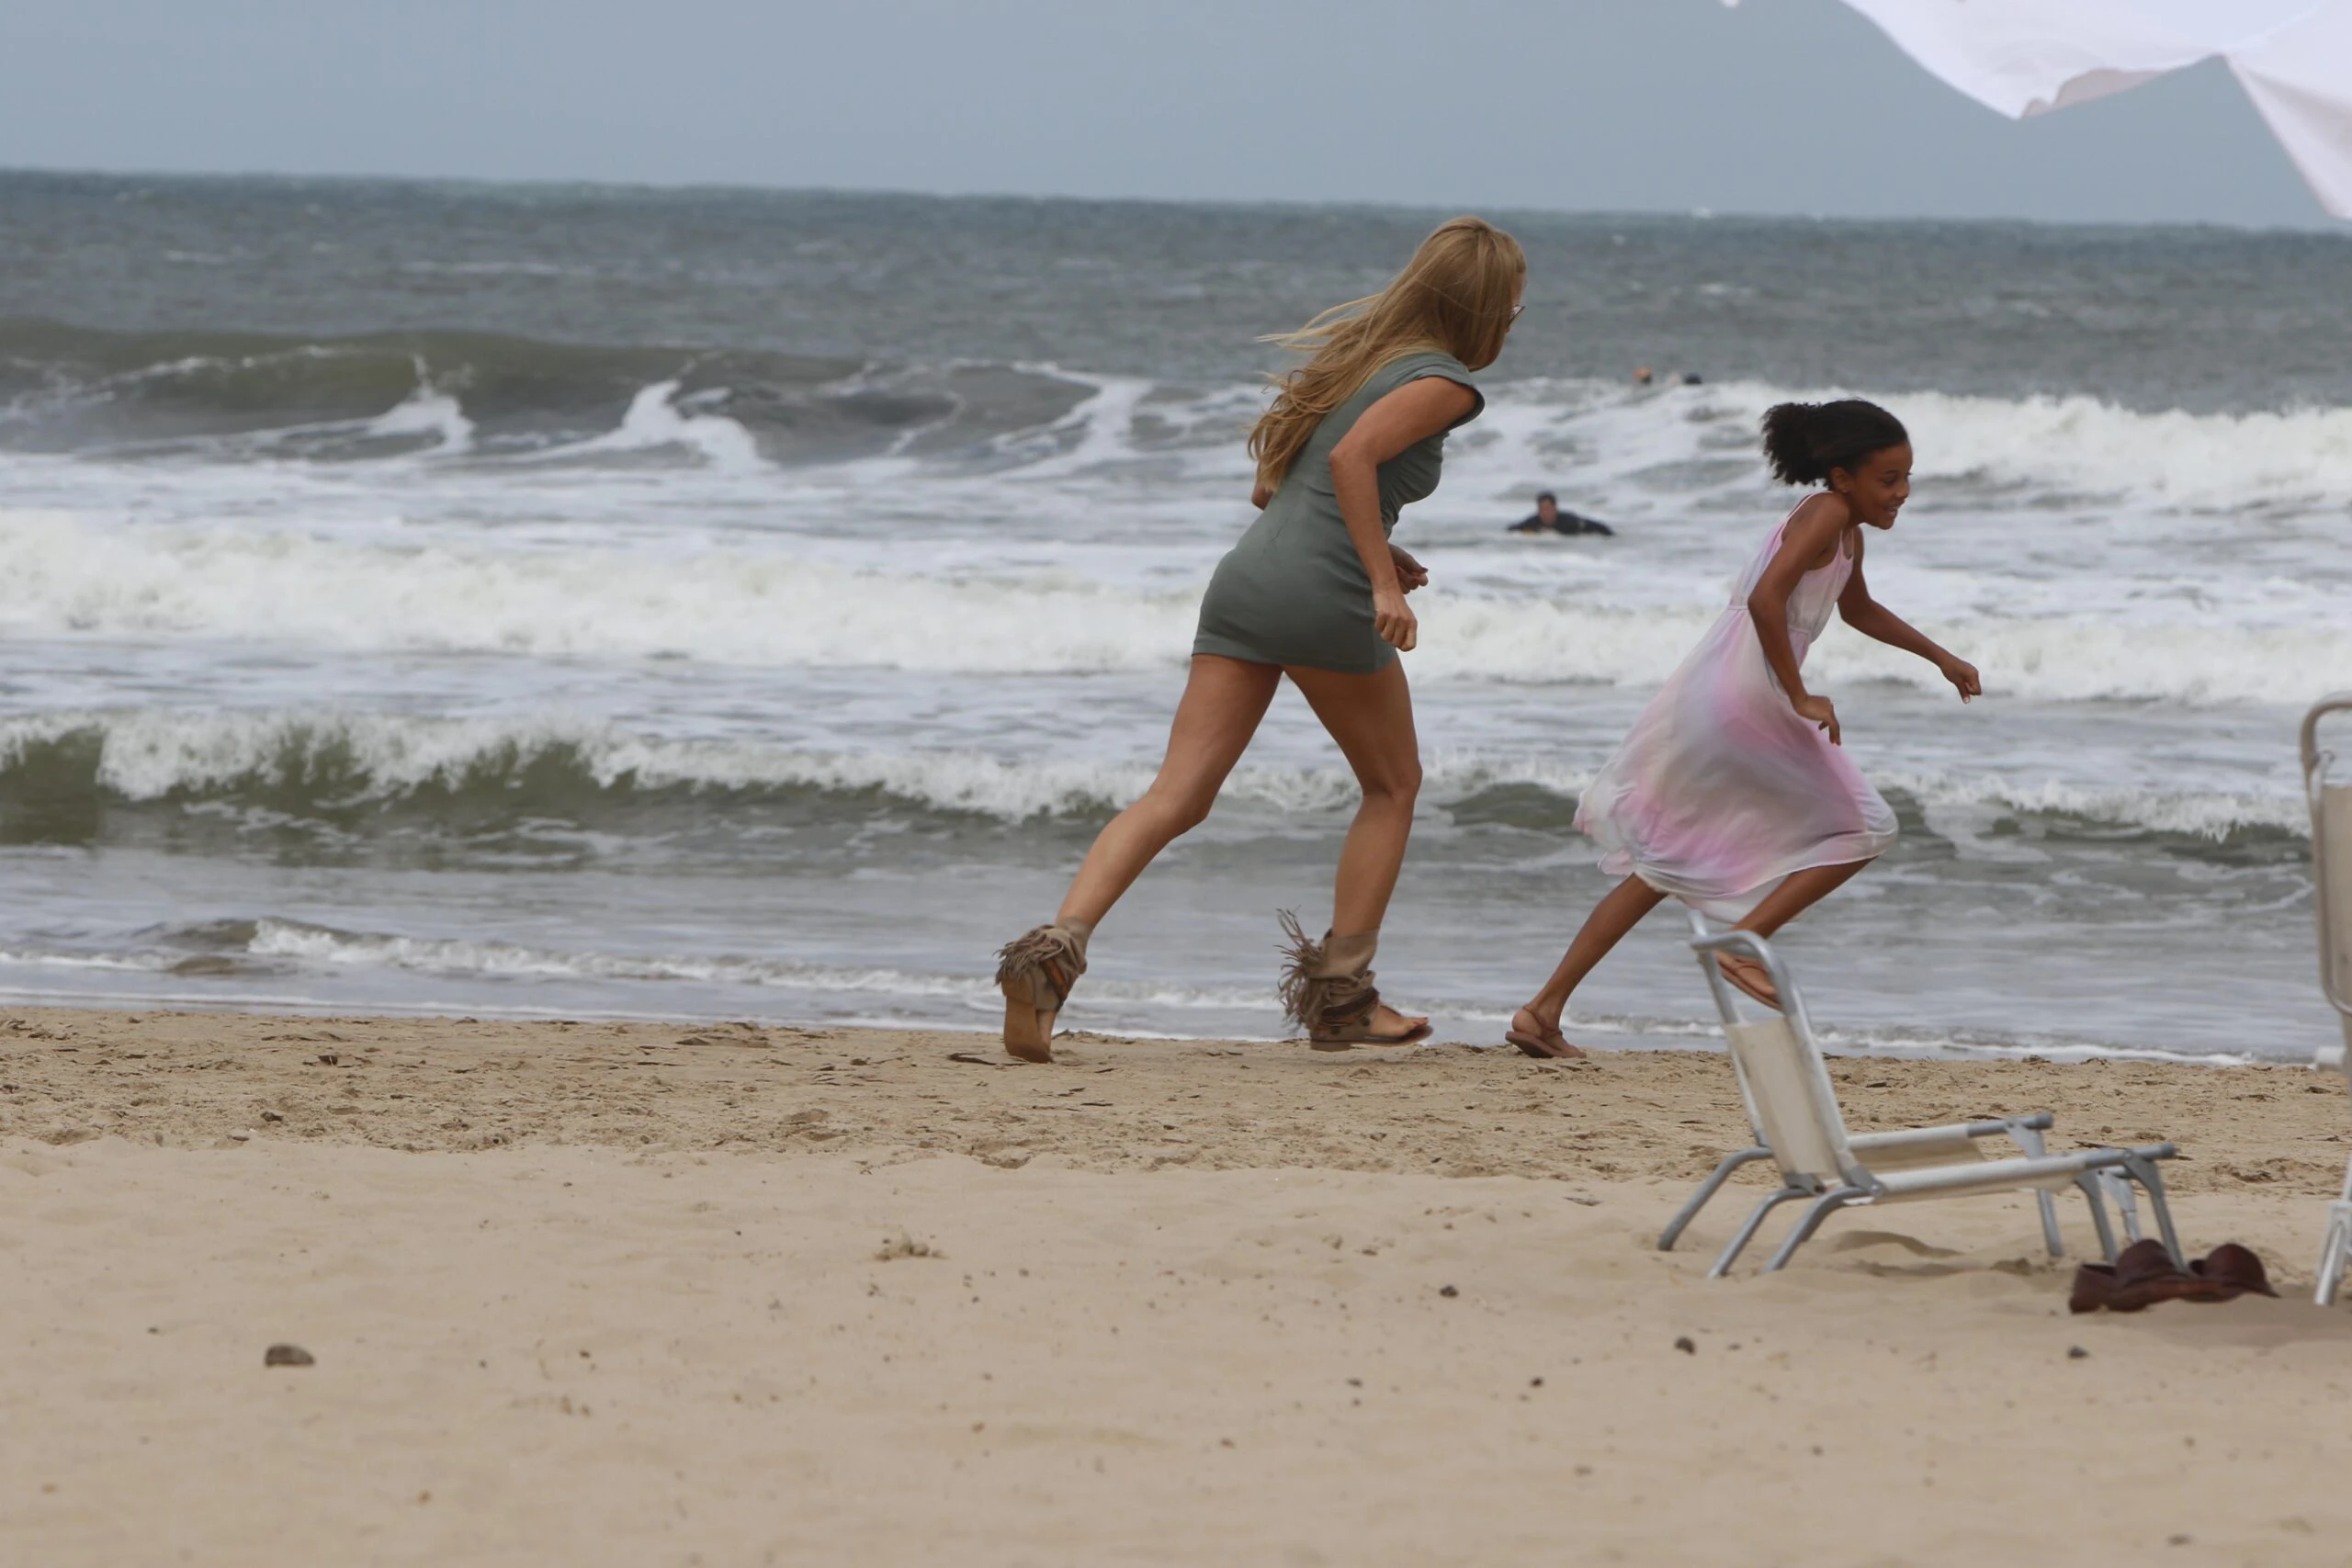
(1315, 591)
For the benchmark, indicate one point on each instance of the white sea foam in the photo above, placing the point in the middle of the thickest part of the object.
(428, 411)
(279, 943)
(457, 956)
(770, 607)
(61, 574)
(1696, 441)
(656, 420)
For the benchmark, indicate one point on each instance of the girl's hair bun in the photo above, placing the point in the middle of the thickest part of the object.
(1805, 441)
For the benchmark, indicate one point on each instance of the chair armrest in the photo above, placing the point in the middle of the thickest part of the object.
(2039, 1122)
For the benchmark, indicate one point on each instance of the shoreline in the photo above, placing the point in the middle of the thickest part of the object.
(1604, 1034)
(679, 1295)
(440, 1084)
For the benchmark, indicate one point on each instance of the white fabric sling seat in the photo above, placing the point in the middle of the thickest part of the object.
(2332, 900)
(1792, 1106)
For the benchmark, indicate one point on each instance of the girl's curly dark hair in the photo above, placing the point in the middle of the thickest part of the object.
(1805, 441)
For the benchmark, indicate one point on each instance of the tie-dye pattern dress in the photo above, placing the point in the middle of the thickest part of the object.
(1722, 790)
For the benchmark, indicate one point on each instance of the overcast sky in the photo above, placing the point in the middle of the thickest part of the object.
(1778, 107)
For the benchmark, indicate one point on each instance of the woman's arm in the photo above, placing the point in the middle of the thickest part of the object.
(1872, 619)
(1414, 411)
(1811, 535)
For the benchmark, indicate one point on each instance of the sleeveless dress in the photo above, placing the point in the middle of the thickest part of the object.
(1293, 590)
(1722, 789)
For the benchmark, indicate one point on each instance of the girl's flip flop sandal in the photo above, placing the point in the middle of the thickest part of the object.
(1548, 1045)
(1734, 970)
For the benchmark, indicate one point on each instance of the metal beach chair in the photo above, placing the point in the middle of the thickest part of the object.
(2332, 898)
(1792, 1106)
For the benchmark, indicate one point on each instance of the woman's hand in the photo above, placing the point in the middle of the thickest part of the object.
(1963, 675)
(1410, 574)
(1818, 711)
(1392, 619)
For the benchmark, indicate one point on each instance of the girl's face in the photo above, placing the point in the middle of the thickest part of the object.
(1877, 487)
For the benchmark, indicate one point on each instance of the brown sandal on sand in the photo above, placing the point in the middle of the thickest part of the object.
(2144, 1273)
(1543, 1041)
(1735, 967)
(1036, 973)
(1326, 990)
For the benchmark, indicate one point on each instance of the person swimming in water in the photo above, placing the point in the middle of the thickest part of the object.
(1547, 518)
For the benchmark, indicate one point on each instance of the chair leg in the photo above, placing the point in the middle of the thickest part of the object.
(2151, 1182)
(2029, 1141)
(1748, 1231)
(1707, 1190)
(2337, 1249)
(2088, 1187)
(2118, 1188)
(2333, 1252)
(1809, 1222)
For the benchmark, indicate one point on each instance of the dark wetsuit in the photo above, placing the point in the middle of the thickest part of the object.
(1566, 522)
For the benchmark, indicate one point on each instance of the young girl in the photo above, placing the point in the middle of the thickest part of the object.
(1731, 793)
(1314, 592)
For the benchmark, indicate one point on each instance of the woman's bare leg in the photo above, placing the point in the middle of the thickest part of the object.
(1222, 704)
(1370, 717)
(1798, 891)
(1535, 1028)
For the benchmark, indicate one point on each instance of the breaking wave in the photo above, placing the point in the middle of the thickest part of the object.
(451, 394)
(455, 393)
(773, 606)
(348, 768)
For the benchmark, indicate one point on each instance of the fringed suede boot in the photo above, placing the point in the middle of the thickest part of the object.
(1036, 973)
(1327, 989)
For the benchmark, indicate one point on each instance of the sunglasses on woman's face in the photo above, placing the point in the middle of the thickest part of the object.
(1515, 309)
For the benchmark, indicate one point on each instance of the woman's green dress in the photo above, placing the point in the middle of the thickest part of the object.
(1293, 590)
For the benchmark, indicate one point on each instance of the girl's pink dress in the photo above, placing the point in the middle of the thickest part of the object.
(1722, 790)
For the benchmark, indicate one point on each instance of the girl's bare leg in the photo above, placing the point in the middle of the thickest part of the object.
(1798, 892)
(1222, 704)
(1535, 1028)
(1370, 717)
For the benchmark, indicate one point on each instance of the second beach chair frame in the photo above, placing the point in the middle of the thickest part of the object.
(2331, 805)
(1793, 1107)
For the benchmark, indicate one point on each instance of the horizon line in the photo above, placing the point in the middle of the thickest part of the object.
(2319, 225)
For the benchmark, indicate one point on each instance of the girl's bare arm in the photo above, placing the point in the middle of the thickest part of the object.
(1875, 620)
(1414, 411)
(1811, 535)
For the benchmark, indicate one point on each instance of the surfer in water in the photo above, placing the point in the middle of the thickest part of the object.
(1547, 518)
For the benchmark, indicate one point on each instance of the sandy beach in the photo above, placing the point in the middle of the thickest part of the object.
(635, 1294)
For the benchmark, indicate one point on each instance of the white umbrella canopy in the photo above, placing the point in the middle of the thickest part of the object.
(2026, 57)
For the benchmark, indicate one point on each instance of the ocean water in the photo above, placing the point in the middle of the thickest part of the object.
(578, 602)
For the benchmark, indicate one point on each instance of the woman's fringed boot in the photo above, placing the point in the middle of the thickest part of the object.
(1036, 973)
(1327, 989)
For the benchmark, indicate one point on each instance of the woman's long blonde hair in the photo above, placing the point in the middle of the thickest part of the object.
(1454, 295)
